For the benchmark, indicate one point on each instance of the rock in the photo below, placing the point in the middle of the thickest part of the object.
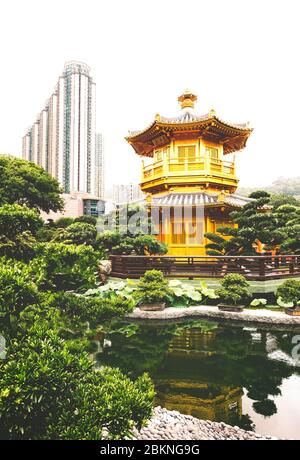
(175, 426)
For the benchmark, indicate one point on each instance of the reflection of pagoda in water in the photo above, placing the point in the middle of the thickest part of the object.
(180, 388)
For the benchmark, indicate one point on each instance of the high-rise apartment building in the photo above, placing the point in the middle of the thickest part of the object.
(99, 170)
(126, 193)
(63, 138)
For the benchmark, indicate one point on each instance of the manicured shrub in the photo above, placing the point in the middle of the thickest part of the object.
(148, 244)
(18, 226)
(63, 222)
(234, 290)
(77, 233)
(46, 392)
(289, 292)
(87, 219)
(65, 267)
(152, 288)
(88, 308)
(118, 243)
(15, 219)
(17, 289)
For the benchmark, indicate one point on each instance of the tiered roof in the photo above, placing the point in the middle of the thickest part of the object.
(209, 126)
(200, 198)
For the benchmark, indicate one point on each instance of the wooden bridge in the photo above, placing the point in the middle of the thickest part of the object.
(256, 268)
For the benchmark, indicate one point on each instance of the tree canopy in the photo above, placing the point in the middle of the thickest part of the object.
(276, 226)
(23, 182)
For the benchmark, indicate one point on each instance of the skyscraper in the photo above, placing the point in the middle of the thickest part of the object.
(62, 140)
(99, 169)
(126, 193)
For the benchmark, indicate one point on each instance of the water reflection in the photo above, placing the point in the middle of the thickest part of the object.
(206, 369)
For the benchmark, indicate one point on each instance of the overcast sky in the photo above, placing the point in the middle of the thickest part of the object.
(240, 57)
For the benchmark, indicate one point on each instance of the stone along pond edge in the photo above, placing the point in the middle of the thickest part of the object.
(172, 425)
(262, 316)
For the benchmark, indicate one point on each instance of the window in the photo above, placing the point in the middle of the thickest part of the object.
(212, 152)
(158, 155)
(187, 152)
(188, 232)
(178, 233)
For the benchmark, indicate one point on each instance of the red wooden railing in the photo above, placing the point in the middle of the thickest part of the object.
(252, 267)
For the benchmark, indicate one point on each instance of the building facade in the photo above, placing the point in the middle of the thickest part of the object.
(99, 165)
(63, 138)
(189, 174)
(127, 193)
(77, 204)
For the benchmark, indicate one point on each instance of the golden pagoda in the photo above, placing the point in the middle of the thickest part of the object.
(189, 175)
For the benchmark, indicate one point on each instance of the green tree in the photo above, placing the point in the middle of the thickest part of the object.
(17, 290)
(23, 182)
(256, 223)
(65, 266)
(46, 392)
(116, 243)
(18, 227)
(77, 233)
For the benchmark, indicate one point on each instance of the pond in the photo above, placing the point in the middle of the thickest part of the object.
(241, 375)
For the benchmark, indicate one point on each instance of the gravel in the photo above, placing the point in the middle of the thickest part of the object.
(172, 425)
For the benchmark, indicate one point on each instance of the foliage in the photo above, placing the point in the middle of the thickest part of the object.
(289, 293)
(15, 219)
(48, 392)
(184, 295)
(86, 219)
(46, 233)
(234, 290)
(148, 244)
(113, 290)
(116, 243)
(128, 220)
(63, 222)
(77, 233)
(23, 182)
(90, 308)
(18, 225)
(258, 302)
(17, 289)
(276, 227)
(152, 287)
(65, 267)
(266, 407)
(279, 200)
(286, 186)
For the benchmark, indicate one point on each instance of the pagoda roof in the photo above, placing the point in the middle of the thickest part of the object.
(200, 198)
(233, 136)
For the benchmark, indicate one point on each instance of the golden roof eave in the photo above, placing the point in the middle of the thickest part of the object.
(233, 137)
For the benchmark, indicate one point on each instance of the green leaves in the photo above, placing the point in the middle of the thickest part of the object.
(258, 303)
(77, 233)
(23, 182)
(234, 290)
(49, 393)
(65, 267)
(17, 289)
(288, 293)
(257, 222)
(152, 288)
(118, 243)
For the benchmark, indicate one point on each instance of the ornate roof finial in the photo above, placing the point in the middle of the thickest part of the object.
(187, 99)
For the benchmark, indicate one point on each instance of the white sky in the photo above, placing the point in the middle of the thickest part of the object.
(240, 57)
